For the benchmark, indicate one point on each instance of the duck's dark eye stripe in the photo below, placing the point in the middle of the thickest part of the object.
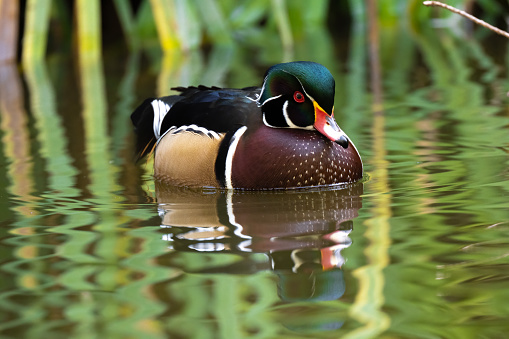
(298, 97)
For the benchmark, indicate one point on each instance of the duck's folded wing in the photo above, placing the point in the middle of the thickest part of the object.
(210, 110)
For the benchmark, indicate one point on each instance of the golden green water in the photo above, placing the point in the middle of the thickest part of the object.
(91, 248)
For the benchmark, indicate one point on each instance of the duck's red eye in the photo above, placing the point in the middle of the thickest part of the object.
(298, 97)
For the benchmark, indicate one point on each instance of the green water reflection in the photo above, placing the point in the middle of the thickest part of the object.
(90, 247)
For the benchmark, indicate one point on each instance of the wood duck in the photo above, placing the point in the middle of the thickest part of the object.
(282, 135)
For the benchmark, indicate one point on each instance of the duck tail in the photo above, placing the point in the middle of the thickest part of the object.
(148, 122)
(143, 121)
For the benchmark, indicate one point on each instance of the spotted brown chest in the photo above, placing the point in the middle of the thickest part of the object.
(285, 158)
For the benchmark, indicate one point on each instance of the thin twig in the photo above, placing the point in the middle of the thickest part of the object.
(466, 15)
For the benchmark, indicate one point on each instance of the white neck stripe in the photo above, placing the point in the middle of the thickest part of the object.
(229, 156)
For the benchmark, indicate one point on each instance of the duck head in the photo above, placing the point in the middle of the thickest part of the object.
(301, 95)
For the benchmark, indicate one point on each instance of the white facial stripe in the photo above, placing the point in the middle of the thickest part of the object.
(229, 156)
(287, 118)
(271, 98)
(160, 109)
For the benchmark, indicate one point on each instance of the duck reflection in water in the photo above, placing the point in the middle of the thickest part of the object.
(302, 232)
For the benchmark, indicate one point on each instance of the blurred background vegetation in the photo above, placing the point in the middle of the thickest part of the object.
(173, 34)
(35, 28)
(203, 41)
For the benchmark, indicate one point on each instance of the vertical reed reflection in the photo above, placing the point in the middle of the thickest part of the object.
(107, 247)
(125, 105)
(19, 235)
(97, 142)
(16, 139)
(50, 132)
(367, 307)
(128, 269)
(93, 97)
(354, 87)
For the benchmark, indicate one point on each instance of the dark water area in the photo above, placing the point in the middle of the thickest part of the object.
(92, 247)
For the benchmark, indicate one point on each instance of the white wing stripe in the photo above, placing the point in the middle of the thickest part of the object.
(160, 109)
